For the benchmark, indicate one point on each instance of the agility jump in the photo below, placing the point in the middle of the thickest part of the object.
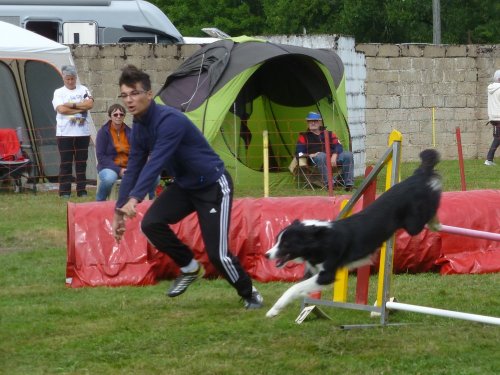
(384, 303)
(392, 305)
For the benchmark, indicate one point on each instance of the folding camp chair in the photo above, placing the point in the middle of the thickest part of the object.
(14, 164)
(308, 175)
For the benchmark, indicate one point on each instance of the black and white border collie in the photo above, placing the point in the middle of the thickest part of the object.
(326, 246)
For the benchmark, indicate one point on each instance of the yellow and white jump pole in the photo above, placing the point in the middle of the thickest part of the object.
(386, 257)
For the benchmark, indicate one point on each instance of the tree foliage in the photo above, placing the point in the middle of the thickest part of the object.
(235, 17)
(383, 21)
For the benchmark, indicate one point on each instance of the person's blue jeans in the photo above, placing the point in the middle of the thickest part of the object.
(107, 178)
(345, 160)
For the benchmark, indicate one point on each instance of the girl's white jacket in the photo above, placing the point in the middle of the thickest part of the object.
(494, 101)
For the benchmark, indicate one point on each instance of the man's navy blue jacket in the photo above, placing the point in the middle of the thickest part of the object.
(164, 139)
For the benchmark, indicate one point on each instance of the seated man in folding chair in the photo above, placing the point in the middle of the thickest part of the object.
(311, 144)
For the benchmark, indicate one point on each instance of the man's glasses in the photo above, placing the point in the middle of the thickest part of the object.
(133, 94)
(118, 114)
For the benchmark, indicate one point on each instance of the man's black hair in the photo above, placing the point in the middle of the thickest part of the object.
(131, 75)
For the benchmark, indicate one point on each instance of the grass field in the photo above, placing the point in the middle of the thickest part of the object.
(46, 328)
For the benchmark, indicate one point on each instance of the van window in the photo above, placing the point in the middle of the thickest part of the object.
(145, 39)
(48, 29)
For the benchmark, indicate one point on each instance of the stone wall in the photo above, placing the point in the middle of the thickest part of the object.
(405, 85)
(99, 67)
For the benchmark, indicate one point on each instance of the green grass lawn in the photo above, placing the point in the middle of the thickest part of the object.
(46, 328)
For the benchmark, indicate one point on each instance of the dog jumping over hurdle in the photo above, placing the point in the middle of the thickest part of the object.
(326, 246)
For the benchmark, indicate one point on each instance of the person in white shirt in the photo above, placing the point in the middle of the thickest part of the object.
(494, 116)
(72, 103)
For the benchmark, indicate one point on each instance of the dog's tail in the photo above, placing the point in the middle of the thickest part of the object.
(430, 158)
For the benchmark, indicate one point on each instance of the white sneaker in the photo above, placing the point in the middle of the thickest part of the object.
(255, 301)
(184, 280)
(487, 162)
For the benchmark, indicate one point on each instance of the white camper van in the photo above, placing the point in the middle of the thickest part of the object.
(92, 21)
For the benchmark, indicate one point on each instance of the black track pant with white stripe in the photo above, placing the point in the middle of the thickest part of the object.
(213, 207)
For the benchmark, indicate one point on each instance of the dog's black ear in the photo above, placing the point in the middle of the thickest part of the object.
(295, 222)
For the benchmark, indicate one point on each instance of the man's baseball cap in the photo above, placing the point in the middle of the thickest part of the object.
(311, 116)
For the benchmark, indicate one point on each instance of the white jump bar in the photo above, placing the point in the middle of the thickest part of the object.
(471, 233)
(441, 312)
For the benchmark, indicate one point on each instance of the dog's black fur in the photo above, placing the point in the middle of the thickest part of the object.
(328, 246)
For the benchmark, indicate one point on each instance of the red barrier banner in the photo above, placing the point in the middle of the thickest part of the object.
(95, 259)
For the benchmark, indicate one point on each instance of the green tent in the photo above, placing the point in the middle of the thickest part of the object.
(234, 89)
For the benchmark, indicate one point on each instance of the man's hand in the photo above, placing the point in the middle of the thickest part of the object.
(334, 160)
(118, 226)
(129, 208)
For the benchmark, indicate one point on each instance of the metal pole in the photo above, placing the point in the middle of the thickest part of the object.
(460, 159)
(433, 126)
(436, 22)
(328, 153)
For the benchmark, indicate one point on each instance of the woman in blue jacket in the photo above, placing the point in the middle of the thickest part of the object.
(112, 149)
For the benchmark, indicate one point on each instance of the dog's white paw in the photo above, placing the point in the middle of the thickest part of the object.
(272, 313)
